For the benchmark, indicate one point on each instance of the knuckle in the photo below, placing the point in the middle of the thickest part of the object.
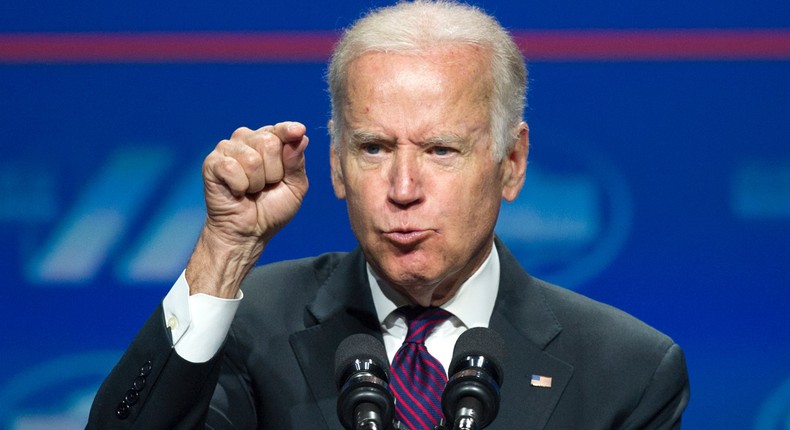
(211, 160)
(222, 144)
(223, 148)
(272, 146)
(240, 132)
(249, 159)
(226, 166)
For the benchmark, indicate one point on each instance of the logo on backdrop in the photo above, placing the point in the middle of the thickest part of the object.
(760, 189)
(574, 214)
(97, 231)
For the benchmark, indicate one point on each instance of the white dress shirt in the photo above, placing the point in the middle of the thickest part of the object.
(199, 323)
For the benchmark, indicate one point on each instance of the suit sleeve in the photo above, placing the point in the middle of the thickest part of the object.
(152, 387)
(665, 397)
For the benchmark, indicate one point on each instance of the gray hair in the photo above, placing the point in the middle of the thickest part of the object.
(423, 24)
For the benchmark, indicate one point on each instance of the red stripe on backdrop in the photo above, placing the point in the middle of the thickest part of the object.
(165, 47)
(262, 47)
(663, 45)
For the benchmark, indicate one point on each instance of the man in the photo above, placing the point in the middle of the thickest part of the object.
(427, 139)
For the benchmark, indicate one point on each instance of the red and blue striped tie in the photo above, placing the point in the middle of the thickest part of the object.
(417, 377)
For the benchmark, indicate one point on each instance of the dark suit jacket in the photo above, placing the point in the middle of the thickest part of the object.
(276, 368)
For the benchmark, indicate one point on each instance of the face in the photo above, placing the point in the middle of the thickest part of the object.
(415, 167)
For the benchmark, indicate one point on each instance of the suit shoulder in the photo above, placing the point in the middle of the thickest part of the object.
(313, 270)
(603, 329)
(620, 364)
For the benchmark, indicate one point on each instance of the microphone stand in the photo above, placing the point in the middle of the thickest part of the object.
(467, 416)
(368, 417)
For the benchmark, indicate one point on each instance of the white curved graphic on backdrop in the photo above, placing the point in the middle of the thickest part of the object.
(775, 412)
(573, 216)
(56, 394)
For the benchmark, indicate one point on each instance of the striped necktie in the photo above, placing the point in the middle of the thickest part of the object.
(417, 377)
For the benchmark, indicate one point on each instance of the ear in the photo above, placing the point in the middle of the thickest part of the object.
(335, 165)
(515, 165)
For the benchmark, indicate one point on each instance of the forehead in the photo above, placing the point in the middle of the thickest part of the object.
(441, 87)
(467, 65)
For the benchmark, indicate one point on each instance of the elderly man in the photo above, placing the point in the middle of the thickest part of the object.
(427, 139)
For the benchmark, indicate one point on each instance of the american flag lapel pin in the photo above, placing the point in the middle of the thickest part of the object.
(540, 381)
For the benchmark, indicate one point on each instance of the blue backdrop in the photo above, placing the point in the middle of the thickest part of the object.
(657, 183)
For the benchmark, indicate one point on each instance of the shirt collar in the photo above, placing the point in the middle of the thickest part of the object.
(472, 304)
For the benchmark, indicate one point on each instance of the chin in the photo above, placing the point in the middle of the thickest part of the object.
(411, 280)
(417, 293)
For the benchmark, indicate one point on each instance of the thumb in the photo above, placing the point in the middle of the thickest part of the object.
(293, 156)
(292, 134)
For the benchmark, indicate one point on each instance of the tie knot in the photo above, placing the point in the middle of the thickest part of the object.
(422, 321)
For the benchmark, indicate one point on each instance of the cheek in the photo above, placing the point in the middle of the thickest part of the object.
(361, 202)
(481, 202)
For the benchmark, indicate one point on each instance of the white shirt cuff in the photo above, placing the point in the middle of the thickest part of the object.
(198, 323)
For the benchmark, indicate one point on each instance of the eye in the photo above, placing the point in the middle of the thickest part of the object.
(372, 149)
(441, 150)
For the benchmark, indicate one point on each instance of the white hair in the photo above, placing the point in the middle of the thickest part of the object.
(424, 24)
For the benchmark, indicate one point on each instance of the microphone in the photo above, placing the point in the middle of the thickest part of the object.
(470, 400)
(361, 369)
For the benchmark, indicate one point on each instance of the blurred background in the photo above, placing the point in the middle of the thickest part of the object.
(659, 177)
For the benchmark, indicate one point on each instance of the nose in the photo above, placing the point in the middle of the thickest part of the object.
(405, 180)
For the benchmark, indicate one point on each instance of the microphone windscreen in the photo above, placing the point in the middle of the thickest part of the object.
(358, 346)
(479, 341)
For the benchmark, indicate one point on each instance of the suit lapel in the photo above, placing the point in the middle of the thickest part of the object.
(528, 325)
(343, 306)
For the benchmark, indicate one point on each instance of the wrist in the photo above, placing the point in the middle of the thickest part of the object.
(219, 265)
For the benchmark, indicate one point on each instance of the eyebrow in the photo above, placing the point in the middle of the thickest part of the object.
(359, 137)
(362, 136)
(447, 139)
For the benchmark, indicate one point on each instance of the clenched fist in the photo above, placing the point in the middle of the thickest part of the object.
(254, 184)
